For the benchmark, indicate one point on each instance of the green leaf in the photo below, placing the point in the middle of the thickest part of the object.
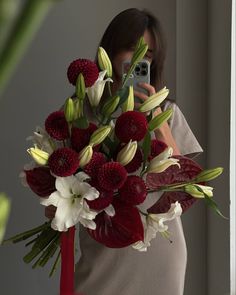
(146, 146)
(214, 206)
(81, 122)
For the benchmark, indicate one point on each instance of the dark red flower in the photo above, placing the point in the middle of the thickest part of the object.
(131, 125)
(133, 192)
(111, 176)
(98, 159)
(63, 162)
(105, 198)
(187, 171)
(41, 181)
(85, 66)
(157, 147)
(123, 229)
(80, 137)
(56, 125)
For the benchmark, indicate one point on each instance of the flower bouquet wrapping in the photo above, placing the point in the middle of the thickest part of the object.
(96, 161)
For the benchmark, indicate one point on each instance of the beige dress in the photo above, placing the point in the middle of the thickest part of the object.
(126, 271)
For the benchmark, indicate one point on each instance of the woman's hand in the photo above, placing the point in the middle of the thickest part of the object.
(142, 96)
(50, 211)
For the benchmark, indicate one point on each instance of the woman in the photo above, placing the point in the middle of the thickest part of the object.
(160, 270)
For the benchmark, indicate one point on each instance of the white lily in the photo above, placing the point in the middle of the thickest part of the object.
(198, 190)
(154, 223)
(41, 157)
(95, 92)
(161, 162)
(42, 140)
(69, 198)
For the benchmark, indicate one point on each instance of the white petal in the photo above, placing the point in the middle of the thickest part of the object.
(53, 199)
(81, 176)
(164, 155)
(110, 210)
(88, 223)
(64, 184)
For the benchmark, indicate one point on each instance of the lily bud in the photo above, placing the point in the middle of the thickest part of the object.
(85, 155)
(154, 100)
(139, 53)
(99, 135)
(128, 105)
(161, 162)
(40, 156)
(80, 87)
(208, 175)
(127, 153)
(110, 106)
(157, 121)
(198, 191)
(104, 62)
(4, 213)
(69, 110)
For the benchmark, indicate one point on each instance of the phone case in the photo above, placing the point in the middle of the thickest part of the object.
(141, 73)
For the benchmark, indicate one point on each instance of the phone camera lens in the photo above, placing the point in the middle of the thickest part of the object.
(143, 72)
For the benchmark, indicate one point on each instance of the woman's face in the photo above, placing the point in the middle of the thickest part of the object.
(127, 55)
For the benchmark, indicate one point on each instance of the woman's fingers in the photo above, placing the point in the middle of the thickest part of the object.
(148, 87)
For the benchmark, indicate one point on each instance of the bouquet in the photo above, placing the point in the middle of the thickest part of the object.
(95, 160)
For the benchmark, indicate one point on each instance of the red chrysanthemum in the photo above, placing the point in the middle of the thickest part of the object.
(63, 162)
(84, 66)
(80, 137)
(131, 125)
(98, 159)
(111, 176)
(157, 147)
(134, 191)
(41, 181)
(104, 200)
(57, 126)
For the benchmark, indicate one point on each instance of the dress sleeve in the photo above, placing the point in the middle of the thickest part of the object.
(182, 133)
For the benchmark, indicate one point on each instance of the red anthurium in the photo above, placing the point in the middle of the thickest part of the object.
(121, 230)
(188, 170)
(41, 181)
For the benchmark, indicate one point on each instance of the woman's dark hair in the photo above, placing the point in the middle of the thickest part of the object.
(125, 30)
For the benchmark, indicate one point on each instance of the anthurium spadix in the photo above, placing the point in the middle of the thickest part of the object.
(70, 200)
(95, 92)
(154, 100)
(40, 156)
(198, 191)
(161, 162)
(154, 223)
(127, 153)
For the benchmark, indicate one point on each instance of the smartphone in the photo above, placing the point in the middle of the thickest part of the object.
(141, 73)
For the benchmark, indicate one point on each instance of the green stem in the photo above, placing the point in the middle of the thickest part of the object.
(42, 243)
(27, 234)
(55, 264)
(27, 24)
